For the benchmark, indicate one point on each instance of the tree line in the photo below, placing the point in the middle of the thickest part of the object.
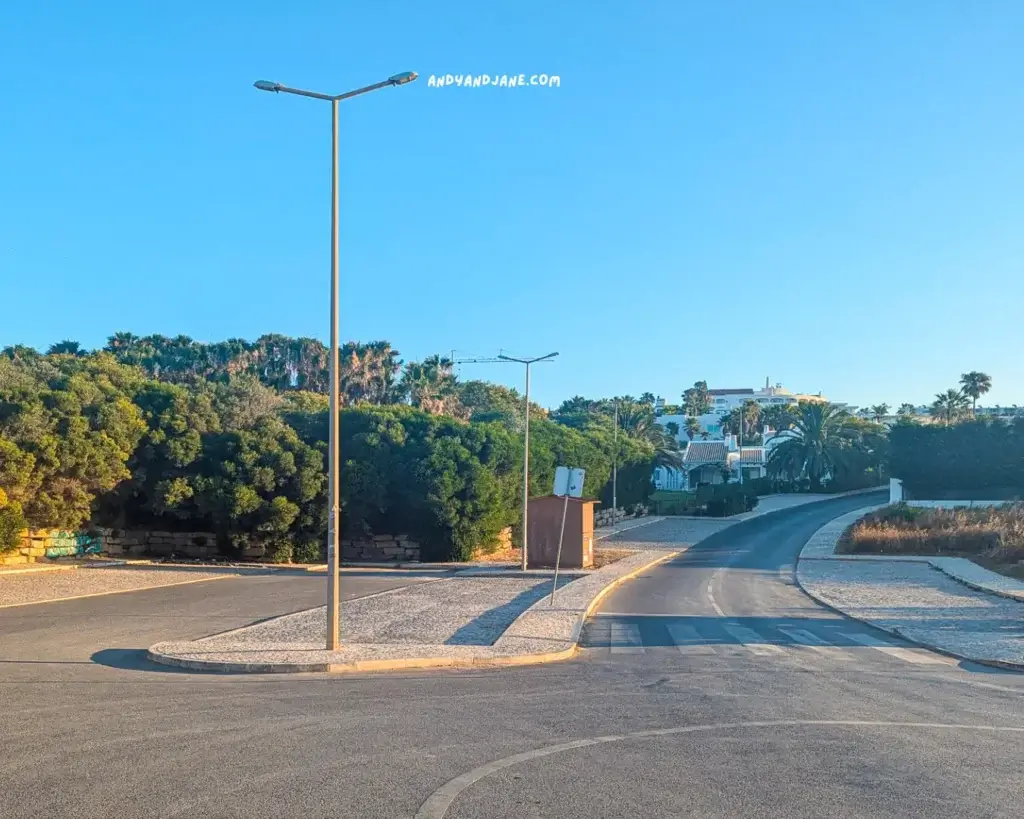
(230, 438)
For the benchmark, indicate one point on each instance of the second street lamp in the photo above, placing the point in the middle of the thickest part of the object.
(333, 505)
(526, 446)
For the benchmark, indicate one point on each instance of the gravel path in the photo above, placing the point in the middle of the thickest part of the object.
(910, 597)
(41, 587)
(458, 620)
(455, 611)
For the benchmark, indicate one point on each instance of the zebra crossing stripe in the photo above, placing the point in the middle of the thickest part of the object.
(625, 639)
(804, 638)
(751, 640)
(687, 640)
(910, 655)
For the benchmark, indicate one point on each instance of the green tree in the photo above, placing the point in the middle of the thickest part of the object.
(697, 399)
(778, 417)
(822, 444)
(906, 410)
(67, 429)
(66, 347)
(692, 427)
(879, 411)
(949, 406)
(430, 385)
(974, 385)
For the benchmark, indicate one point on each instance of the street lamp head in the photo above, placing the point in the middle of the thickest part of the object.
(551, 355)
(266, 85)
(403, 78)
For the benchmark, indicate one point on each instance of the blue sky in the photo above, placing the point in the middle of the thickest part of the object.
(827, 194)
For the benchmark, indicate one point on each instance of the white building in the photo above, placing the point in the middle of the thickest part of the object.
(726, 400)
(705, 462)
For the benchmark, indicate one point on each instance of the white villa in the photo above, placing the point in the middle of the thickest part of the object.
(726, 400)
(705, 461)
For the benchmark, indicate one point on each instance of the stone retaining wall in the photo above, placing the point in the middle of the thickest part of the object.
(604, 517)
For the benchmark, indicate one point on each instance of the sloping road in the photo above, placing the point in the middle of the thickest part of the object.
(750, 701)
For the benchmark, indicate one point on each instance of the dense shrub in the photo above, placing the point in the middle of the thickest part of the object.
(725, 499)
(977, 457)
(993, 532)
(675, 503)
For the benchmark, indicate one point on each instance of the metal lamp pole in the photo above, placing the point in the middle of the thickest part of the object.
(526, 443)
(333, 506)
(615, 469)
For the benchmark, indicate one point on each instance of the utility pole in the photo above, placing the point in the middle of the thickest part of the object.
(526, 445)
(615, 469)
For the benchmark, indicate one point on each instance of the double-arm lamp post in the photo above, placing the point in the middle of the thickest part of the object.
(333, 506)
(526, 443)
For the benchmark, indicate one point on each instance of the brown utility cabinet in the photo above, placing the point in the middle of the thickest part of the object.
(545, 522)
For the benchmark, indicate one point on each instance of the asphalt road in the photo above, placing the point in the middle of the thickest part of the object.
(711, 687)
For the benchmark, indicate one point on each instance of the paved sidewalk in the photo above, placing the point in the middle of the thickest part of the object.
(456, 621)
(940, 603)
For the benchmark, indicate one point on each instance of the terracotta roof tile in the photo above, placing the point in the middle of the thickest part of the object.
(752, 455)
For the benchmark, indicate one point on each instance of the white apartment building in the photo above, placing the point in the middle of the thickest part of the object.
(726, 400)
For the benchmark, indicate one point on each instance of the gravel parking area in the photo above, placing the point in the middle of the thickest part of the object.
(43, 587)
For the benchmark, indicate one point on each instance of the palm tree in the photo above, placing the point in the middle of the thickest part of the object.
(778, 416)
(974, 385)
(672, 428)
(879, 411)
(950, 405)
(647, 398)
(692, 427)
(821, 443)
(906, 410)
(750, 414)
(66, 347)
(430, 385)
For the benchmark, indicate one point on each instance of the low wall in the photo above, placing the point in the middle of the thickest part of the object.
(43, 545)
(399, 549)
(609, 517)
(38, 545)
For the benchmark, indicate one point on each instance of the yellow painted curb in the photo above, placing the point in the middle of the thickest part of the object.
(414, 663)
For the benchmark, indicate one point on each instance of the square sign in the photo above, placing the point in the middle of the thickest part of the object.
(569, 482)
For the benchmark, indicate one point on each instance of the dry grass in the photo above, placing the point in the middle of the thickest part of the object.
(992, 537)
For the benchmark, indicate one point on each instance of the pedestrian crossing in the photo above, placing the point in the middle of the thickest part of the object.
(805, 644)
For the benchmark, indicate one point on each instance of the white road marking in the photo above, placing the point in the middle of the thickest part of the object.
(687, 640)
(910, 655)
(625, 639)
(751, 640)
(437, 804)
(804, 638)
(711, 599)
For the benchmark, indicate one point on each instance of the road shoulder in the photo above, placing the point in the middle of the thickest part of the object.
(936, 602)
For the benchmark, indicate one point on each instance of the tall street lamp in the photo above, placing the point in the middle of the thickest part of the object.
(334, 511)
(526, 442)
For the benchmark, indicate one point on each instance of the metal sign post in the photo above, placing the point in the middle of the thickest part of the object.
(568, 484)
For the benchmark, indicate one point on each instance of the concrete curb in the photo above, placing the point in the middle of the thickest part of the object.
(831, 606)
(1008, 595)
(41, 568)
(414, 663)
